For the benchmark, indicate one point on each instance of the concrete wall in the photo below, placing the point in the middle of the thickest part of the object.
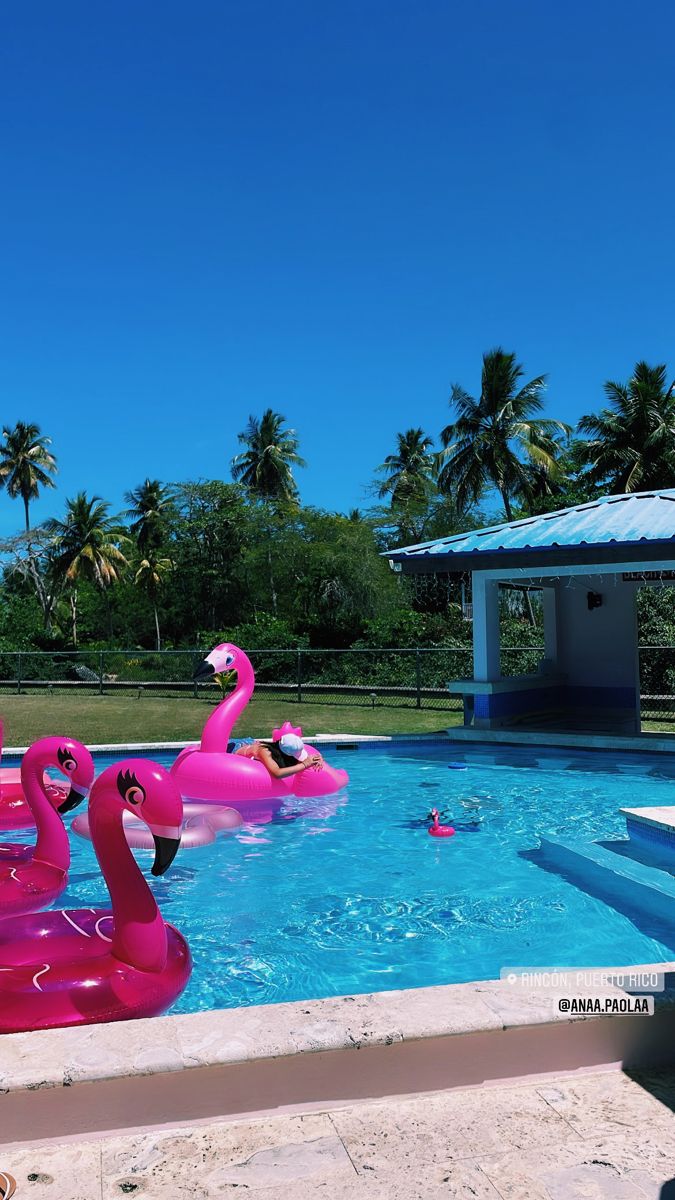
(597, 647)
(592, 680)
(597, 651)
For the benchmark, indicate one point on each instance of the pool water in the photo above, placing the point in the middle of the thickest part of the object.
(354, 896)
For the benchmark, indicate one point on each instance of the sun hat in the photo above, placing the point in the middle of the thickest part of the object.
(293, 745)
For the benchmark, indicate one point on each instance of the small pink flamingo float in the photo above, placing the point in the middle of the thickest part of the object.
(207, 772)
(83, 966)
(201, 825)
(15, 812)
(438, 830)
(31, 877)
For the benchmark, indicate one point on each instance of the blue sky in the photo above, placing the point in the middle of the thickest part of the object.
(332, 209)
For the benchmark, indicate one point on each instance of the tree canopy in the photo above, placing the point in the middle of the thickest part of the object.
(191, 561)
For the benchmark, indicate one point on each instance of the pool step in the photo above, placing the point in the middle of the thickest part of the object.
(612, 876)
(654, 829)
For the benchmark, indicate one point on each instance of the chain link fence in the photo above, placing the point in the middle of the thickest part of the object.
(410, 678)
(166, 673)
(394, 677)
(657, 685)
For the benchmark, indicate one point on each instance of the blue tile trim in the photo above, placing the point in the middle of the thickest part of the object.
(665, 838)
(507, 704)
(517, 702)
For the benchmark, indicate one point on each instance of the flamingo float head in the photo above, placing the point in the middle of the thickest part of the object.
(223, 658)
(72, 759)
(277, 734)
(148, 791)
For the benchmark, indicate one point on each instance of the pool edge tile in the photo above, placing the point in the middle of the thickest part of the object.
(64, 1057)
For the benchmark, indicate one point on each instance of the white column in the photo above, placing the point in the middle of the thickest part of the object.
(550, 602)
(485, 599)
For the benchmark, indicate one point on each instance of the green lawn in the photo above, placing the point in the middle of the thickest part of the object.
(95, 719)
(658, 726)
(126, 718)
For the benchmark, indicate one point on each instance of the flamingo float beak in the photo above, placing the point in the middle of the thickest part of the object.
(166, 849)
(204, 671)
(72, 800)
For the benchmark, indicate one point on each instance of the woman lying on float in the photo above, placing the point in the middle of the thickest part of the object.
(247, 782)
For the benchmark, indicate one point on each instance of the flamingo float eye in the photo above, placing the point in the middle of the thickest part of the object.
(229, 659)
(129, 788)
(66, 759)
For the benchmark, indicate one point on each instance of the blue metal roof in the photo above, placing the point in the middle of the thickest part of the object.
(628, 519)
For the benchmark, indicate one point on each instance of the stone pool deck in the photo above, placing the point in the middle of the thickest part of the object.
(482, 1090)
(591, 1136)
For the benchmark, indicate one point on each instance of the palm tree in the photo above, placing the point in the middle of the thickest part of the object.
(151, 505)
(87, 547)
(631, 444)
(409, 471)
(410, 483)
(265, 467)
(25, 463)
(150, 577)
(545, 484)
(494, 439)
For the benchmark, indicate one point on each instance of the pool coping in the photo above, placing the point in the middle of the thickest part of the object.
(640, 743)
(226, 1063)
(464, 737)
(324, 738)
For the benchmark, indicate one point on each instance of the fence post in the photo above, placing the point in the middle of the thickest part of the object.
(18, 674)
(418, 676)
(100, 672)
(299, 676)
(195, 693)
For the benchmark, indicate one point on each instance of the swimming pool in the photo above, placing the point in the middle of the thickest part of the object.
(356, 897)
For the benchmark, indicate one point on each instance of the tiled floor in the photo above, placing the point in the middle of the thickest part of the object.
(600, 1136)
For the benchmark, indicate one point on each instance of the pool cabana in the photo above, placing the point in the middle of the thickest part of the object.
(589, 561)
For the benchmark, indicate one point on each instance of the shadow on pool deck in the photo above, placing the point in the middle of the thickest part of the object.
(660, 1085)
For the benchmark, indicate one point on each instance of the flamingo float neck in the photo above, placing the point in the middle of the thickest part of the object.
(52, 846)
(218, 729)
(139, 933)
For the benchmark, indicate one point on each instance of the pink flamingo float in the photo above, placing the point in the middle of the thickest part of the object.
(438, 830)
(208, 773)
(31, 877)
(15, 812)
(83, 966)
(201, 825)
